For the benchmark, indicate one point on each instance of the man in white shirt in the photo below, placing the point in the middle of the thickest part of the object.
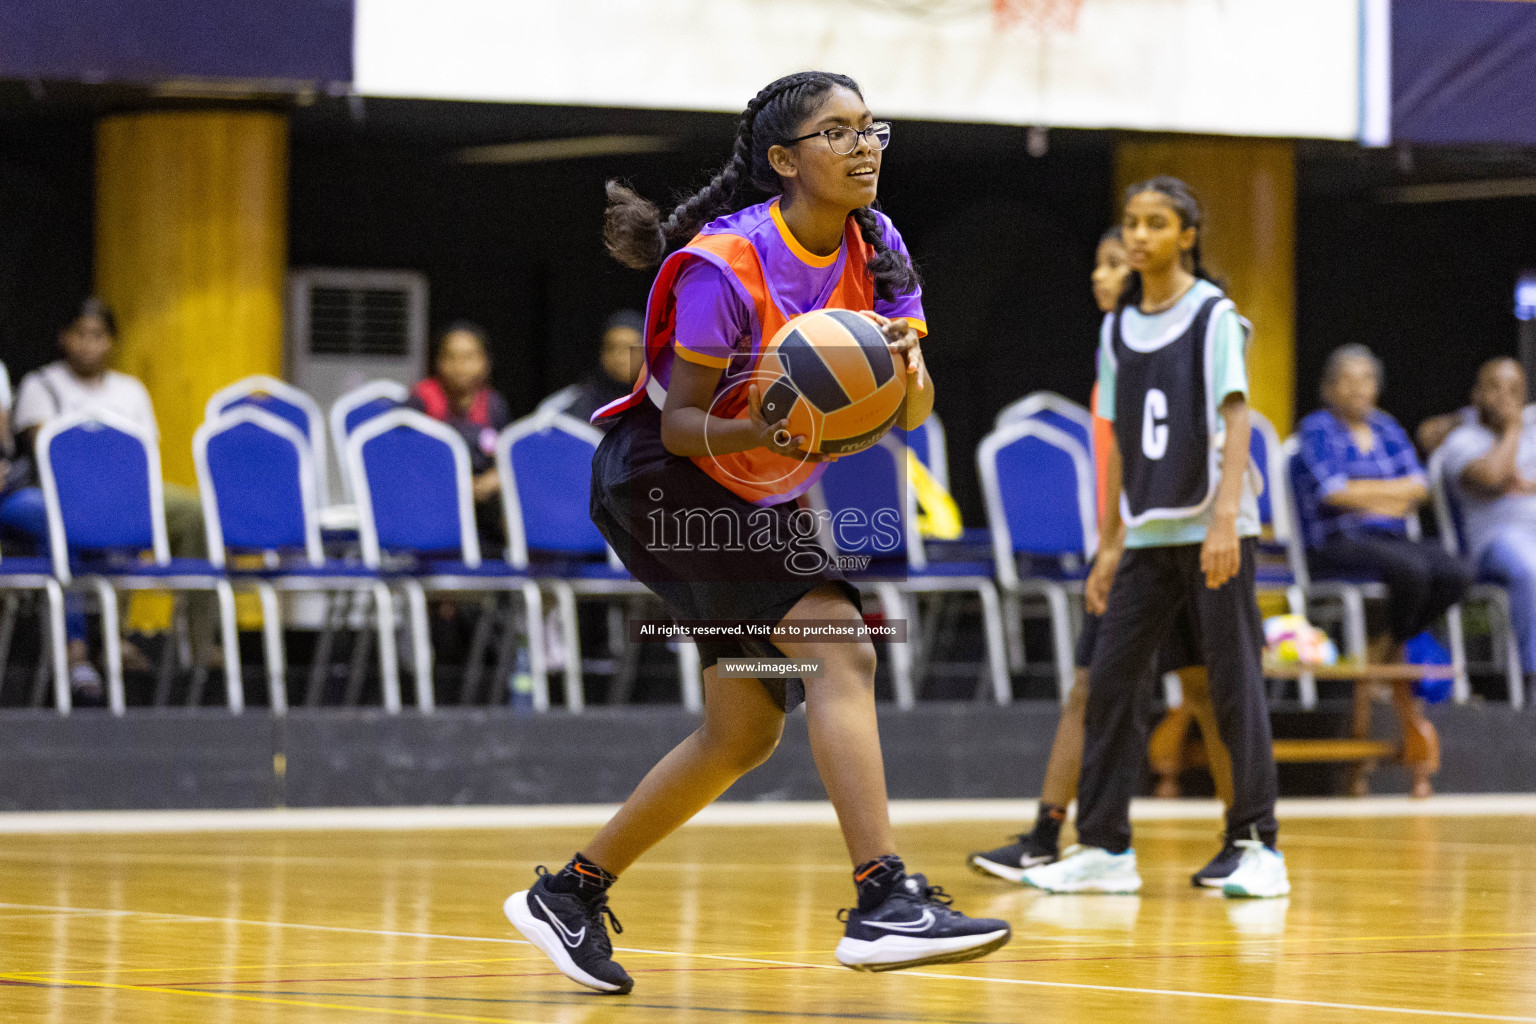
(81, 381)
(1490, 464)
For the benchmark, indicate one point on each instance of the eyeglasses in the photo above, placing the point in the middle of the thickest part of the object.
(845, 140)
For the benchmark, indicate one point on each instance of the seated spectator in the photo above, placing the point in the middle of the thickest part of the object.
(1358, 483)
(81, 381)
(458, 395)
(1490, 465)
(1433, 431)
(619, 364)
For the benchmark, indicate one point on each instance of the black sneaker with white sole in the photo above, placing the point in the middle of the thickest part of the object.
(571, 932)
(1011, 861)
(1215, 874)
(915, 926)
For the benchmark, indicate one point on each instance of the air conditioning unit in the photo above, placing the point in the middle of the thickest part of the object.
(347, 327)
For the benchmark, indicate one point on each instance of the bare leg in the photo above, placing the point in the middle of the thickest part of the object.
(1067, 749)
(1197, 697)
(844, 730)
(741, 727)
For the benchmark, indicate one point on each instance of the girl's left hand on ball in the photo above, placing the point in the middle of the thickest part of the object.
(904, 341)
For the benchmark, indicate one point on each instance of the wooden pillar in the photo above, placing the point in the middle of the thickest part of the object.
(1248, 190)
(191, 248)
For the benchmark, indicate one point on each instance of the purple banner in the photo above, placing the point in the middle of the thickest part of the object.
(153, 40)
(1464, 71)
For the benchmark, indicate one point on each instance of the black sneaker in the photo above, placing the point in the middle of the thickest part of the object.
(1214, 875)
(570, 931)
(1011, 861)
(915, 926)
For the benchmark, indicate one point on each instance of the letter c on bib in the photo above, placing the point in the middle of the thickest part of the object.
(1154, 432)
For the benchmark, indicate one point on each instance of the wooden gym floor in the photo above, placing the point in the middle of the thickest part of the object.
(1393, 918)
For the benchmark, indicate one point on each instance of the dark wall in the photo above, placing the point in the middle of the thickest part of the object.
(46, 185)
(1429, 287)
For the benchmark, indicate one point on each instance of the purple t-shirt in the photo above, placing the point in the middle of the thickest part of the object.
(715, 320)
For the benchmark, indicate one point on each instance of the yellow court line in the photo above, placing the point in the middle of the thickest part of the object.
(285, 966)
(239, 998)
(1151, 942)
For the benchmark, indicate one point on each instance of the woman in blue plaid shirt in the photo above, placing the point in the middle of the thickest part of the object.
(1357, 481)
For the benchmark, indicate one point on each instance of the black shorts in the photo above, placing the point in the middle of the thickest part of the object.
(706, 552)
(1180, 647)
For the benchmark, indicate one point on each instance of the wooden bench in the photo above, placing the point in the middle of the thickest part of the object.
(1418, 746)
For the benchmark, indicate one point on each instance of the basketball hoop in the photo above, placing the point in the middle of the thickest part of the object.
(1040, 15)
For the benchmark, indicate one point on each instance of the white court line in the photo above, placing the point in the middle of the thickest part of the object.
(975, 979)
(903, 812)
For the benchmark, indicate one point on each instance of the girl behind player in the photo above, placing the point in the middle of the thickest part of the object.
(1180, 532)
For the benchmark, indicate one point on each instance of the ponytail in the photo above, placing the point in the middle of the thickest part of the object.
(637, 235)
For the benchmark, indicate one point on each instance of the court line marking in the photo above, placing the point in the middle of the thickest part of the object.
(982, 979)
(903, 812)
(241, 998)
(192, 918)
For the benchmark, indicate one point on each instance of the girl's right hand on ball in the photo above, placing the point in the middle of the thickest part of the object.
(776, 437)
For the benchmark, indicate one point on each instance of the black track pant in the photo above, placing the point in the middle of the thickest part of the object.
(1150, 587)
(1422, 580)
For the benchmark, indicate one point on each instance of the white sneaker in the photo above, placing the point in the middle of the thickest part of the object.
(1087, 869)
(1260, 873)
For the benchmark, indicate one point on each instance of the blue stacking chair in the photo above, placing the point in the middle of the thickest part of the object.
(285, 401)
(256, 475)
(357, 407)
(32, 574)
(868, 511)
(1057, 410)
(545, 465)
(416, 512)
(101, 484)
(1506, 648)
(929, 444)
(1037, 481)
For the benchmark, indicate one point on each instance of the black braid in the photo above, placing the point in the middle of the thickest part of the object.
(894, 275)
(638, 236)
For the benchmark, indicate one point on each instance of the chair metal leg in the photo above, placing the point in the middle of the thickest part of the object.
(112, 641)
(893, 607)
(1514, 671)
(1461, 686)
(229, 636)
(58, 646)
(1061, 638)
(389, 662)
(575, 692)
(1013, 633)
(1354, 622)
(479, 643)
(997, 658)
(421, 644)
(165, 672)
(272, 644)
(7, 630)
(692, 678)
(538, 667)
(338, 609)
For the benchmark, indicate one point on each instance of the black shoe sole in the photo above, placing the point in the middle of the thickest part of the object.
(956, 957)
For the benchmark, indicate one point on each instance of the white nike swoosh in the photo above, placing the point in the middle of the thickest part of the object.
(922, 923)
(570, 938)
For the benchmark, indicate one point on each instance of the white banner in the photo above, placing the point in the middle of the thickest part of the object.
(1238, 67)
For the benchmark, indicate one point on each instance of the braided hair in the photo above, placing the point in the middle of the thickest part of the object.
(638, 237)
(1182, 198)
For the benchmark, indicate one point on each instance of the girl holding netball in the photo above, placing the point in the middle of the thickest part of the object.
(692, 439)
(1179, 652)
(1182, 523)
